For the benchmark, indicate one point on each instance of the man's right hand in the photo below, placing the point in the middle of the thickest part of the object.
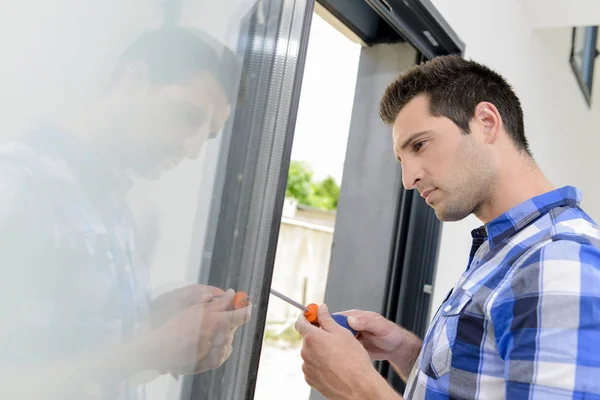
(199, 338)
(384, 340)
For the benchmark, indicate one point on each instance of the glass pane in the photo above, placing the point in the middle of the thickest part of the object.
(579, 47)
(140, 171)
(589, 55)
(583, 56)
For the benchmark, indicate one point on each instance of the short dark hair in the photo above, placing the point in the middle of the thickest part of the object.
(176, 54)
(455, 86)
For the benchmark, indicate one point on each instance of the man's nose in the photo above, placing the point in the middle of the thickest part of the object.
(411, 176)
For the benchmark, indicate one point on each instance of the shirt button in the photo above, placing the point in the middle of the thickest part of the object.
(448, 308)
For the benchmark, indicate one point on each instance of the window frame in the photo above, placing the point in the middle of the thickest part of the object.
(245, 212)
(590, 53)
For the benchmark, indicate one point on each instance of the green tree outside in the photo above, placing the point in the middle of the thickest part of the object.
(302, 187)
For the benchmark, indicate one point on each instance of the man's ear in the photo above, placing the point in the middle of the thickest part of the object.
(489, 120)
(135, 76)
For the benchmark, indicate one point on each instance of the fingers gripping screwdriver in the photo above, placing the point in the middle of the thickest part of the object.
(240, 300)
(310, 312)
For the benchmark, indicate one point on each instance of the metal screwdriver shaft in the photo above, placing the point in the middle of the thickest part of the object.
(288, 300)
(311, 311)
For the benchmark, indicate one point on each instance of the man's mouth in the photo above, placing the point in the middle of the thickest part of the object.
(426, 194)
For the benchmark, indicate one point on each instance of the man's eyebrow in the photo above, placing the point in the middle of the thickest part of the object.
(412, 138)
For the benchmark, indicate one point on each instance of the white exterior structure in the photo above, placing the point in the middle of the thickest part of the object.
(511, 37)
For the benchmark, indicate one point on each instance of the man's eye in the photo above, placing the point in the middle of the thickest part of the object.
(417, 146)
(193, 116)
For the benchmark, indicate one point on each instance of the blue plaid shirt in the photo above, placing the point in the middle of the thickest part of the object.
(523, 322)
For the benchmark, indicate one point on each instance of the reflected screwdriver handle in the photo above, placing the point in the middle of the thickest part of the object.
(240, 300)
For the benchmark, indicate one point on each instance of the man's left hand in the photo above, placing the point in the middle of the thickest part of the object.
(335, 363)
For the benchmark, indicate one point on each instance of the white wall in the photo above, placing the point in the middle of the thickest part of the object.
(554, 14)
(301, 266)
(562, 131)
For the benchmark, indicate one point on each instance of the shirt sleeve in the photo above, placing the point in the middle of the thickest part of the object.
(546, 318)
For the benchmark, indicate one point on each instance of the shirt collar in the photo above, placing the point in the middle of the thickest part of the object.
(93, 173)
(518, 217)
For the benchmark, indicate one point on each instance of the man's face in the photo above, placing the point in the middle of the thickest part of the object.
(453, 171)
(161, 125)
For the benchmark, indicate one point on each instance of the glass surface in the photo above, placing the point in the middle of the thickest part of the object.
(579, 47)
(122, 122)
(583, 55)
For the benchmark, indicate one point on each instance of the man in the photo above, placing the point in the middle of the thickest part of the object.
(522, 322)
(76, 320)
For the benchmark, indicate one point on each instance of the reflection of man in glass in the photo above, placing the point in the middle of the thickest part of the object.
(75, 316)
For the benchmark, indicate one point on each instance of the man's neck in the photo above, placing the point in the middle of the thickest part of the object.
(90, 130)
(92, 134)
(519, 180)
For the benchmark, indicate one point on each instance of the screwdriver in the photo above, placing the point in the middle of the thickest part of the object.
(310, 311)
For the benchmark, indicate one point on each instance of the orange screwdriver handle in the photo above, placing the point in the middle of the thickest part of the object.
(240, 300)
(311, 313)
(311, 316)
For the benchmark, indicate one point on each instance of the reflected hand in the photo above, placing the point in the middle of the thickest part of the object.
(175, 301)
(200, 337)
